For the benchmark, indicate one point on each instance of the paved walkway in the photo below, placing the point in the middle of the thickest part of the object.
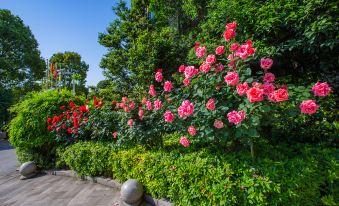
(47, 190)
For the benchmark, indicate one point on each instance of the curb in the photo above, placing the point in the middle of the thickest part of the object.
(106, 182)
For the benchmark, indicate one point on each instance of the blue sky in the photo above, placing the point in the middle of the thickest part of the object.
(67, 25)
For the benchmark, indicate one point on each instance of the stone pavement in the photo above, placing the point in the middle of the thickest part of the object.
(48, 190)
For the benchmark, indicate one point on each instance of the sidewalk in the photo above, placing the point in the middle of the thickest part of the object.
(47, 190)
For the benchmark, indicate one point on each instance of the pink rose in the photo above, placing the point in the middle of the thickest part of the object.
(242, 88)
(126, 109)
(268, 77)
(168, 86)
(200, 52)
(205, 67)
(184, 141)
(190, 71)
(157, 104)
(220, 50)
(168, 116)
(266, 63)
(182, 68)
(255, 95)
(124, 99)
(130, 122)
(115, 134)
(219, 68)
(218, 124)
(321, 89)
(158, 76)
(236, 117)
(192, 131)
(186, 82)
(257, 85)
(152, 91)
(281, 95)
(245, 50)
(232, 78)
(308, 107)
(229, 34)
(234, 47)
(268, 88)
(141, 113)
(210, 59)
(149, 105)
(232, 25)
(186, 109)
(210, 104)
(131, 105)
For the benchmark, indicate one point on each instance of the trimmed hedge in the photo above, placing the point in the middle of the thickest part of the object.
(298, 175)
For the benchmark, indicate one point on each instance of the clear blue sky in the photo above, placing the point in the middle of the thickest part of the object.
(67, 25)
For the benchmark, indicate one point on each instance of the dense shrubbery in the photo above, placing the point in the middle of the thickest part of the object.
(204, 175)
(27, 130)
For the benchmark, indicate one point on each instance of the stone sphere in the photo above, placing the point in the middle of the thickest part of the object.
(131, 191)
(27, 169)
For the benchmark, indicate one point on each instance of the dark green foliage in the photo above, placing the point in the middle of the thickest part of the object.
(295, 175)
(28, 129)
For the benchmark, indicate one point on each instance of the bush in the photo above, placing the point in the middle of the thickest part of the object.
(28, 129)
(299, 175)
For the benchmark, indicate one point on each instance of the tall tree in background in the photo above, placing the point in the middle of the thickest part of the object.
(21, 65)
(70, 64)
(143, 38)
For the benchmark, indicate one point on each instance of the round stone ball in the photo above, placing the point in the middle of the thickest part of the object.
(131, 191)
(27, 168)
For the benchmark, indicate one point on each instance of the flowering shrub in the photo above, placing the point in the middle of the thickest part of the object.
(219, 100)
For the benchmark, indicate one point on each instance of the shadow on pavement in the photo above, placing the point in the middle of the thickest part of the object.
(4, 145)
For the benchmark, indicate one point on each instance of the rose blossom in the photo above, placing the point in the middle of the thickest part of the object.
(131, 105)
(149, 105)
(192, 131)
(152, 91)
(115, 134)
(126, 109)
(184, 141)
(124, 99)
(219, 68)
(168, 116)
(157, 104)
(220, 50)
(268, 77)
(182, 68)
(281, 95)
(257, 85)
(255, 95)
(205, 67)
(130, 122)
(229, 34)
(158, 75)
(268, 88)
(186, 82)
(321, 89)
(141, 113)
(200, 52)
(218, 124)
(308, 107)
(245, 50)
(186, 109)
(232, 25)
(236, 117)
(234, 47)
(266, 63)
(143, 101)
(210, 59)
(232, 78)
(242, 88)
(210, 104)
(168, 86)
(190, 71)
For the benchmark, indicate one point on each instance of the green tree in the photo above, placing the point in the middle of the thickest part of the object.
(21, 65)
(70, 64)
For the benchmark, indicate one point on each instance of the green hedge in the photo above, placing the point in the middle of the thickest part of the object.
(28, 129)
(298, 175)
